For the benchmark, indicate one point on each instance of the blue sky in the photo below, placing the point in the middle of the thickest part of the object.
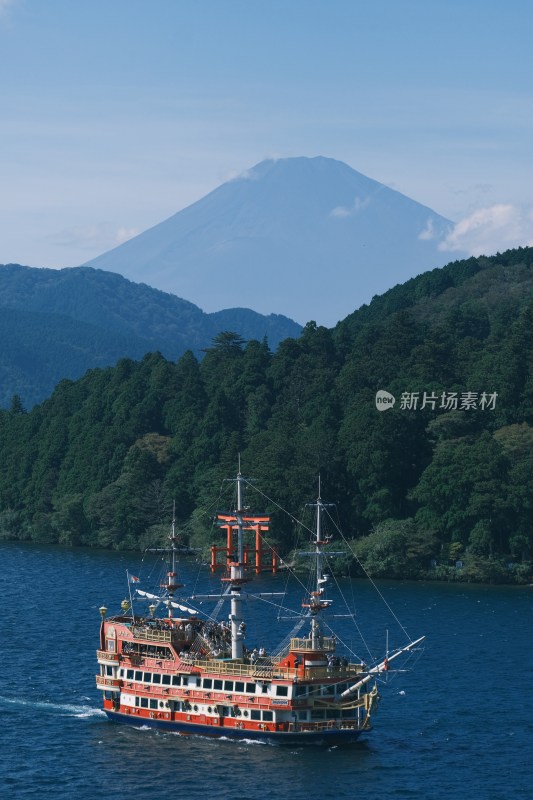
(115, 114)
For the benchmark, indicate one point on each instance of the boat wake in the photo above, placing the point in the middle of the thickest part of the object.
(65, 709)
(242, 741)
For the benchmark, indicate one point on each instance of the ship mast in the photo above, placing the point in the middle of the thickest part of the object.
(237, 577)
(239, 558)
(316, 601)
(170, 583)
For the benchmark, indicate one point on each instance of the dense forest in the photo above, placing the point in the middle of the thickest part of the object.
(438, 485)
(57, 324)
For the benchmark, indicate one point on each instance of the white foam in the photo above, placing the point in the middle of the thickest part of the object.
(66, 708)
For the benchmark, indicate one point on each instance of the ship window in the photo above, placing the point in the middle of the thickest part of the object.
(317, 714)
(153, 703)
(121, 673)
(255, 714)
(147, 677)
(138, 675)
(341, 687)
(250, 688)
(208, 683)
(156, 677)
(184, 680)
(129, 674)
(176, 680)
(265, 687)
(144, 702)
(109, 670)
(166, 680)
(329, 689)
(239, 686)
(282, 691)
(217, 685)
(268, 716)
(136, 701)
(228, 686)
(300, 690)
(302, 715)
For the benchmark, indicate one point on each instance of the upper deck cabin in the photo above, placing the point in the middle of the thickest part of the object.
(194, 645)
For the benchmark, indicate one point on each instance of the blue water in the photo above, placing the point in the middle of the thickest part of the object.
(461, 723)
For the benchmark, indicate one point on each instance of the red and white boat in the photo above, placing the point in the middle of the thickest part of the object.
(190, 673)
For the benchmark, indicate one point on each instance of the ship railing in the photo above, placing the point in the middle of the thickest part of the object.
(150, 634)
(107, 655)
(262, 671)
(269, 670)
(238, 669)
(317, 727)
(345, 672)
(326, 643)
(107, 683)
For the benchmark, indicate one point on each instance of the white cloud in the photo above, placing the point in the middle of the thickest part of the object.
(123, 234)
(490, 230)
(250, 174)
(244, 175)
(428, 232)
(359, 204)
(97, 238)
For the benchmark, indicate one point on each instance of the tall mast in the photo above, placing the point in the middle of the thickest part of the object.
(237, 577)
(239, 558)
(317, 601)
(172, 578)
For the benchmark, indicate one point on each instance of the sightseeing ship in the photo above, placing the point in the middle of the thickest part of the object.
(192, 674)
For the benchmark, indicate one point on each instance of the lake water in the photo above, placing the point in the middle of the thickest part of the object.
(461, 723)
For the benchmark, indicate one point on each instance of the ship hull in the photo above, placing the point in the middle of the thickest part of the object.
(333, 736)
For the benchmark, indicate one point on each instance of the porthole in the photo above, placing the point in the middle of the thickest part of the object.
(245, 713)
(195, 708)
(209, 709)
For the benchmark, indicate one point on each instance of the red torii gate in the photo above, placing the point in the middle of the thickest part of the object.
(261, 558)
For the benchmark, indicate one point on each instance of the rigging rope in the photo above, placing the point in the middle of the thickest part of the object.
(347, 543)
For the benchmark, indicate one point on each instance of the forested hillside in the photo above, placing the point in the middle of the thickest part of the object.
(57, 324)
(440, 484)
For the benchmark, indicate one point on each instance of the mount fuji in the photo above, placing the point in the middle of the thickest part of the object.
(309, 238)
